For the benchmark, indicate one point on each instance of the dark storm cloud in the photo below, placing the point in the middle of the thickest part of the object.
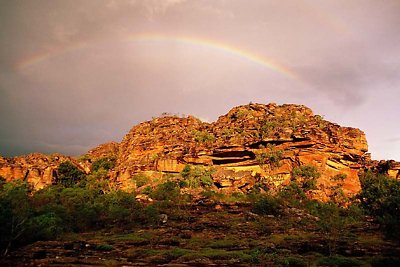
(72, 76)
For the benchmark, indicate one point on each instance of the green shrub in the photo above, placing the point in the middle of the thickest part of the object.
(166, 191)
(339, 177)
(380, 197)
(141, 179)
(69, 174)
(266, 205)
(185, 173)
(46, 226)
(196, 176)
(106, 163)
(291, 261)
(203, 137)
(306, 176)
(270, 155)
(15, 214)
(104, 247)
(332, 220)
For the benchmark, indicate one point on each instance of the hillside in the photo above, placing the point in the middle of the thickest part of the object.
(251, 145)
(264, 185)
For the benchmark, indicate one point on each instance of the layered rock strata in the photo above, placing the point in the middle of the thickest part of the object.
(251, 145)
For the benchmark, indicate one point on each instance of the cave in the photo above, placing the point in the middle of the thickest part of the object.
(229, 157)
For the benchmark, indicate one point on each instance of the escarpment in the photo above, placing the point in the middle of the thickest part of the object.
(251, 145)
(37, 169)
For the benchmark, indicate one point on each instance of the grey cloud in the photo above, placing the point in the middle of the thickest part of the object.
(345, 53)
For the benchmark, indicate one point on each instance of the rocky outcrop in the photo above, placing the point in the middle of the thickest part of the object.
(37, 169)
(251, 144)
(101, 151)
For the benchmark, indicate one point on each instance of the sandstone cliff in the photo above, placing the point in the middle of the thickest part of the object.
(251, 145)
(37, 169)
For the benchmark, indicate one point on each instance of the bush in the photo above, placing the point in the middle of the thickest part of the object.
(15, 214)
(291, 261)
(141, 179)
(104, 247)
(69, 174)
(106, 163)
(203, 137)
(306, 176)
(267, 205)
(270, 156)
(380, 197)
(166, 191)
(196, 176)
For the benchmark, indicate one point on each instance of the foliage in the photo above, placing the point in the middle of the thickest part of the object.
(2, 181)
(339, 177)
(141, 179)
(106, 163)
(203, 137)
(266, 205)
(380, 196)
(306, 176)
(291, 261)
(166, 191)
(270, 155)
(197, 176)
(69, 174)
(331, 222)
(15, 213)
(48, 213)
(104, 247)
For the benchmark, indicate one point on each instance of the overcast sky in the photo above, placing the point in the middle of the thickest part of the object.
(74, 74)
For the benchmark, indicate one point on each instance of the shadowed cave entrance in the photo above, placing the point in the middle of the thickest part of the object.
(229, 157)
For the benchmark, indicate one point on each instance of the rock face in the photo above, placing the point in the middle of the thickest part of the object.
(104, 150)
(37, 169)
(251, 145)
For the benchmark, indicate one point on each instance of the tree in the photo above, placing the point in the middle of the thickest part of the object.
(380, 196)
(69, 174)
(15, 213)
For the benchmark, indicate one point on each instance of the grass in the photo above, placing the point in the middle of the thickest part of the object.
(135, 237)
(104, 247)
(218, 254)
(224, 243)
(339, 261)
(141, 253)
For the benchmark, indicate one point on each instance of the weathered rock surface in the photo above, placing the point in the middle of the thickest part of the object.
(37, 169)
(252, 144)
(104, 150)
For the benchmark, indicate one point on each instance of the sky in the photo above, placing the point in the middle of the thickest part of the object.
(75, 74)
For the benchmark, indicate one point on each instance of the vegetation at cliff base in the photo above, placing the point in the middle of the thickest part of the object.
(255, 228)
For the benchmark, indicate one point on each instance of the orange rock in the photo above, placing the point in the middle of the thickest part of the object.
(249, 145)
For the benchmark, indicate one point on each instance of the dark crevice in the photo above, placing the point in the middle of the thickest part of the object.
(228, 161)
(218, 185)
(26, 176)
(232, 157)
(230, 154)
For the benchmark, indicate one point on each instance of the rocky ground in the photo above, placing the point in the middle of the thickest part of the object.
(217, 234)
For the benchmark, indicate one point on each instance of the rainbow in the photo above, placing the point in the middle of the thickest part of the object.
(220, 46)
(211, 44)
(42, 56)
